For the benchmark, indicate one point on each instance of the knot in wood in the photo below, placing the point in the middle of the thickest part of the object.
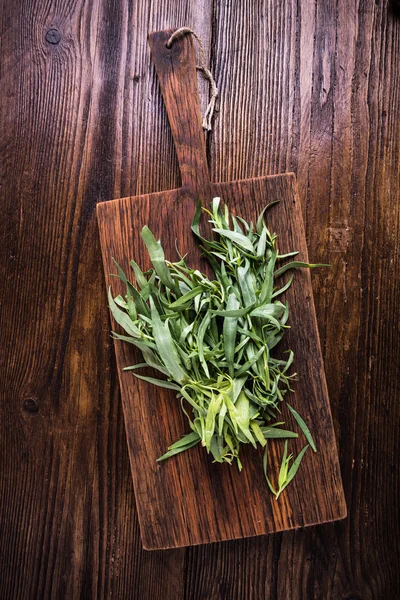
(30, 406)
(53, 36)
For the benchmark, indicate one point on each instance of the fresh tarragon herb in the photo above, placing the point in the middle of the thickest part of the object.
(212, 340)
(285, 474)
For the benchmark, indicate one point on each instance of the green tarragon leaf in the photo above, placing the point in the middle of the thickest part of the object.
(239, 239)
(157, 258)
(165, 346)
(303, 426)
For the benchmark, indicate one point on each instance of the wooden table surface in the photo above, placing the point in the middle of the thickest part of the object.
(304, 86)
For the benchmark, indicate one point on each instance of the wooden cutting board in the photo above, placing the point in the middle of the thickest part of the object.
(188, 500)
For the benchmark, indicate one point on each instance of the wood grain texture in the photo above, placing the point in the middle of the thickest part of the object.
(68, 521)
(304, 86)
(327, 76)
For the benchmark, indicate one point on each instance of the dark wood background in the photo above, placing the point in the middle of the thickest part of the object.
(307, 86)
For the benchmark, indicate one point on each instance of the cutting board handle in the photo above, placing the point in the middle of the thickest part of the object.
(176, 71)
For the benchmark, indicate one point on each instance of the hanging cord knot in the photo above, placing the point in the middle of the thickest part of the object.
(208, 115)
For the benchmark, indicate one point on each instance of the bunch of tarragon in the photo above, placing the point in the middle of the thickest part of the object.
(212, 340)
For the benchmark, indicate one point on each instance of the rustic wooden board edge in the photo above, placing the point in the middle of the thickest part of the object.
(244, 537)
(107, 203)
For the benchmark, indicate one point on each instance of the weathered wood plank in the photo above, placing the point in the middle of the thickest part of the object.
(330, 93)
(81, 123)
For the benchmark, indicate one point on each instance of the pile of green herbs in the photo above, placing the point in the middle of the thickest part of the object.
(213, 339)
